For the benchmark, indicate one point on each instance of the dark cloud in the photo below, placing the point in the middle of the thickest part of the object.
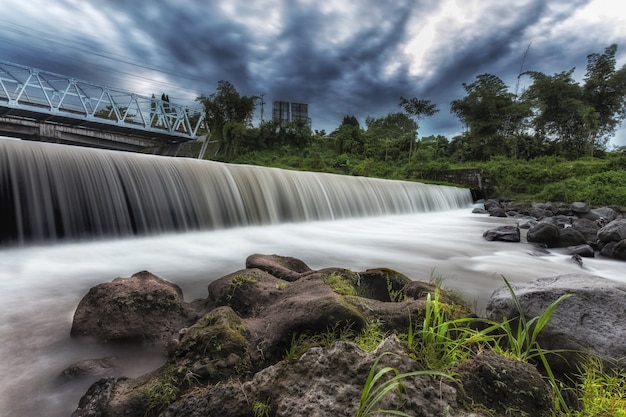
(341, 58)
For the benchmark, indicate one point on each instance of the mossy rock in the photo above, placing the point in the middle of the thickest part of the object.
(215, 347)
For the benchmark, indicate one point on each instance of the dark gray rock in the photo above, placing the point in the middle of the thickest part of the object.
(497, 212)
(570, 237)
(592, 320)
(545, 233)
(507, 233)
(615, 250)
(526, 223)
(579, 208)
(586, 251)
(92, 367)
(606, 213)
(613, 232)
(588, 228)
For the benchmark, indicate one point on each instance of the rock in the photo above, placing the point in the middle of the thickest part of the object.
(539, 212)
(502, 384)
(143, 308)
(526, 223)
(592, 320)
(613, 232)
(588, 228)
(491, 204)
(606, 213)
(497, 212)
(507, 233)
(586, 251)
(545, 233)
(579, 208)
(323, 382)
(91, 367)
(283, 267)
(615, 250)
(570, 237)
(93, 403)
(253, 320)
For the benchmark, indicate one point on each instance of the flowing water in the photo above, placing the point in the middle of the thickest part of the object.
(42, 282)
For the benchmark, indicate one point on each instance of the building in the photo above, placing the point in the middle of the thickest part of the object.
(285, 111)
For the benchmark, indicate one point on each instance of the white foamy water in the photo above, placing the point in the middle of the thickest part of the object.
(41, 286)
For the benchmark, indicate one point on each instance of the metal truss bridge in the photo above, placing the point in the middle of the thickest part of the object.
(41, 105)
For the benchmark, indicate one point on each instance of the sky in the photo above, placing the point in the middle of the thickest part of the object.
(342, 58)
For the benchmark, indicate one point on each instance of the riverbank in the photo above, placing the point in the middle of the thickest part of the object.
(40, 286)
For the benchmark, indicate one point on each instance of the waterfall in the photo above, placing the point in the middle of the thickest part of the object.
(54, 192)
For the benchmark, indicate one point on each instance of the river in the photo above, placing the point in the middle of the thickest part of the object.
(40, 286)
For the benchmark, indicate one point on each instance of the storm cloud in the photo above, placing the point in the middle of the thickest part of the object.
(342, 58)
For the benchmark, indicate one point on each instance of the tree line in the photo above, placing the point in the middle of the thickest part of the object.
(554, 116)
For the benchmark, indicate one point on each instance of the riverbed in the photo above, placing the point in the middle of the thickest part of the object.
(40, 286)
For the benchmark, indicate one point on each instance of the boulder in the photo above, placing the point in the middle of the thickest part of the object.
(506, 233)
(323, 382)
(258, 326)
(502, 384)
(607, 214)
(613, 232)
(586, 251)
(588, 228)
(592, 320)
(92, 367)
(615, 250)
(579, 208)
(545, 233)
(570, 237)
(283, 267)
(143, 308)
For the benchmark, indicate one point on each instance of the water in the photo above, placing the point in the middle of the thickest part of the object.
(68, 217)
(40, 286)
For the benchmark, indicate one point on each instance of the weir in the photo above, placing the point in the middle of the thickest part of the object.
(51, 192)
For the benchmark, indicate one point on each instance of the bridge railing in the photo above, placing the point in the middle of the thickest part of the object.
(30, 89)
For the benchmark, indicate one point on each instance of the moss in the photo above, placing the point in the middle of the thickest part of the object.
(216, 346)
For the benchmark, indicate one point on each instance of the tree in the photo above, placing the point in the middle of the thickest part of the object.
(418, 109)
(389, 134)
(561, 114)
(349, 136)
(604, 90)
(491, 116)
(224, 106)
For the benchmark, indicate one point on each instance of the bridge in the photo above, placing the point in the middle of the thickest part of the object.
(44, 106)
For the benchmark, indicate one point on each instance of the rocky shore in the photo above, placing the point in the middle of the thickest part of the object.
(280, 339)
(584, 231)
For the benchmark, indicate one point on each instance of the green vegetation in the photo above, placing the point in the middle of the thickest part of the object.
(261, 409)
(378, 386)
(602, 392)
(340, 284)
(547, 141)
(239, 281)
(442, 342)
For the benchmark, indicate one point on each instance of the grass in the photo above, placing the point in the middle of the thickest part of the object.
(378, 385)
(601, 392)
(340, 284)
(239, 281)
(261, 409)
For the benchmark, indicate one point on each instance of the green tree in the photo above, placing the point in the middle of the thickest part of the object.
(491, 116)
(417, 109)
(389, 134)
(561, 114)
(349, 137)
(224, 106)
(605, 91)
